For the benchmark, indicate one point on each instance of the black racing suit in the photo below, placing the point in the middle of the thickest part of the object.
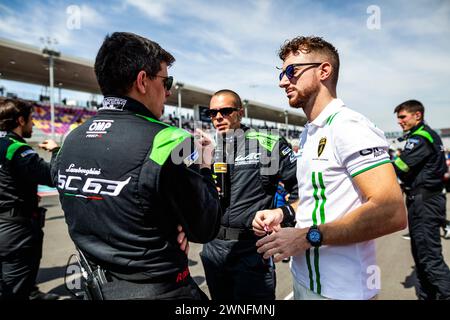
(257, 162)
(126, 181)
(421, 167)
(21, 170)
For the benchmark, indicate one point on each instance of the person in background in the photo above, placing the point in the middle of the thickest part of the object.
(256, 161)
(21, 219)
(421, 167)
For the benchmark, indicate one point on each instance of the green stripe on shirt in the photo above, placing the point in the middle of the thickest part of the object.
(316, 267)
(324, 199)
(316, 197)
(370, 167)
(308, 263)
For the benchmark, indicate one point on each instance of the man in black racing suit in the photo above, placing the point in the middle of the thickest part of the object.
(126, 180)
(421, 167)
(21, 170)
(256, 162)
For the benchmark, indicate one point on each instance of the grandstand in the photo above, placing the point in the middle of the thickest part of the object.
(65, 117)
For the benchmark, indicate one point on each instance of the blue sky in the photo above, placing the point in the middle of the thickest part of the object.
(234, 44)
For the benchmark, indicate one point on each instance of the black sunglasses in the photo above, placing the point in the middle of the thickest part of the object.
(168, 81)
(224, 111)
(290, 69)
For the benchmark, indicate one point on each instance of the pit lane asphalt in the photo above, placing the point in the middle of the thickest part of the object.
(393, 257)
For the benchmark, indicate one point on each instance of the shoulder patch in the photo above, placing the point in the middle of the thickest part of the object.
(285, 151)
(13, 147)
(190, 159)
(293, 157)
(27, 152)
(412, 140)
(410, 144)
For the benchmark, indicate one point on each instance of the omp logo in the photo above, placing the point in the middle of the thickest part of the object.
(90, 186)
(251, 158)
(98, 128)
(377, 152)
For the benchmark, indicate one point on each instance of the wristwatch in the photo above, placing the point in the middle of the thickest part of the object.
(314, 236)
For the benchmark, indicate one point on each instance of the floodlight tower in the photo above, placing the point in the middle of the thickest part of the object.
(245, 103)
(51, 54)
(286, 121)
(179, 87)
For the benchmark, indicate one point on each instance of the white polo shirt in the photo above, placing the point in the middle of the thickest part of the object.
(338, 145)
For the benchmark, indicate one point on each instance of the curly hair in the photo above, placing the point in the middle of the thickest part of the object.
(314, 45)
(122, 56)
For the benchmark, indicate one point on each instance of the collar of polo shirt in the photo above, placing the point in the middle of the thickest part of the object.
(334, 106)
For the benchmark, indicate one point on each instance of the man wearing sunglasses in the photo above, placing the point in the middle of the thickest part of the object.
(116, 173)
(348, 191)
(256, 162)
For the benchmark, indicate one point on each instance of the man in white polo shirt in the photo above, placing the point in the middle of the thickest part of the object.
(348, 192)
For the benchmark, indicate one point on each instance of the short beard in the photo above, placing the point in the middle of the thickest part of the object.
(309, 96)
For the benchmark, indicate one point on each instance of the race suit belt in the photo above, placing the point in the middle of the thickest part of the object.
(97, 278)
(426, 193)
(226, 233)
(140, 277)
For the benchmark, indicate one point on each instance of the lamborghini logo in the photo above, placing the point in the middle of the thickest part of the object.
(322, 144)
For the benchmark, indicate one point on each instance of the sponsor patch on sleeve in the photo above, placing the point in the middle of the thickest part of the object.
(190, 159)
(411, 143)
(27, 152)
(377, 152)
(285, 151)
(293, 157)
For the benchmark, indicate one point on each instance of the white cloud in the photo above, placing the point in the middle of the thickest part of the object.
(234, 44)
(154, 9)
(91, 17)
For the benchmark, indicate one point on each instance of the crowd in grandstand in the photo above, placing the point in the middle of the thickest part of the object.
(68, 117)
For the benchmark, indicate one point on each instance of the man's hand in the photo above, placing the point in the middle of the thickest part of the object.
(267, 221)
(48, 145)
(205, 146)
(182, 240)
(285, 242)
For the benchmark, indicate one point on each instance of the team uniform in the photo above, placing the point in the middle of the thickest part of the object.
(234, 270)
(126, 180)
(421, 167)
(21, 170)
(334, 148)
